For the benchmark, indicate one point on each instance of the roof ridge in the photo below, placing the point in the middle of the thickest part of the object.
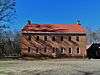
(54, 27)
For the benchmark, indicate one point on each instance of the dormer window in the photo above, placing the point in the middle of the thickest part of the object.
(38, 26)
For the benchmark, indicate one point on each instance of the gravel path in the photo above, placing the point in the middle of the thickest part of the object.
(50, 67)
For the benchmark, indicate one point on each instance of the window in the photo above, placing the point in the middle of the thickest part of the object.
(77, 38)
(61, 38)
(77, 49)
(45, 38)
(37, 50)
(53, 50)
(37, 38)
(53, 38)
(45, 50)
(62, 50)
(28, 49)
(56, 50)
(70, 50)
(29, 37)
(69, 38)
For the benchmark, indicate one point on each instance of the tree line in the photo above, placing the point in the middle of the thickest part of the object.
(10, 40)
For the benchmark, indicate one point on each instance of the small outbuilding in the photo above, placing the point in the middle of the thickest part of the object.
(94, 51)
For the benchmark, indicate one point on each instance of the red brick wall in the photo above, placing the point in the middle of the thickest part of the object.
(29, 46)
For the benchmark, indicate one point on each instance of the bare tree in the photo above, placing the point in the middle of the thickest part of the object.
(7, 14)
(7, 10)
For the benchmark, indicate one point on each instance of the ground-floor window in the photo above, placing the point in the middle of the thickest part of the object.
(45, 50)
(53, 50)
(70, 51)
(62, 50)
(37, 50)
(28, 49)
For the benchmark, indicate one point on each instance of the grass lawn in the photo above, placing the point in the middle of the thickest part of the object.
(50, 67)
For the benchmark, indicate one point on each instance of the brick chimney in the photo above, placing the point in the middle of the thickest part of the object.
(78, 22)
(29, 22)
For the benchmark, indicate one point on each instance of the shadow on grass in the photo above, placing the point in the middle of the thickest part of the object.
(37, 72)
(89, 73)
(6, 73)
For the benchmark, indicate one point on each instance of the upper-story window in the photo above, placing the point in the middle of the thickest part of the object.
(53, 38)
(62, 38)
(77, 38)
(45, 38)
(70, 51)
(78, 50)
(69, 38)
(37, 38)
(29, 37)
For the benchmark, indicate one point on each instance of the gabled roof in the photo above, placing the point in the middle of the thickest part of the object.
(53, 28)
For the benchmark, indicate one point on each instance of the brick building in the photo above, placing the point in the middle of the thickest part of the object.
(53, 40)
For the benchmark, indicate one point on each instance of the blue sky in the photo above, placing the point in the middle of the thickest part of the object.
(59, 11)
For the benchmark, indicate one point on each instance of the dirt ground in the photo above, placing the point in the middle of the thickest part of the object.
(50, 67)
